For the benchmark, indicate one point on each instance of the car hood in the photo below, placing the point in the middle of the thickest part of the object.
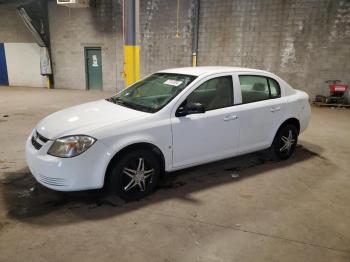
(85, 118)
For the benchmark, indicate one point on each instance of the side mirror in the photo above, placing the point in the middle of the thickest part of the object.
(189, 109)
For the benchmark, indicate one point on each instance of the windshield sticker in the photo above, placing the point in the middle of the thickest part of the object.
(171, 82)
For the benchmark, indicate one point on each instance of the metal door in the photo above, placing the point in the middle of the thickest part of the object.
(3, 68)
(93, 68)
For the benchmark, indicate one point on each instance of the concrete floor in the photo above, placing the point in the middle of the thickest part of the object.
(296, 210)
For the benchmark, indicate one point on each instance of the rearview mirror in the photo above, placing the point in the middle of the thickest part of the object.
(189, 109)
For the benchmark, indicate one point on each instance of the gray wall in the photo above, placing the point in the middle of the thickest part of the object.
(304, 41)
(12, 28)
(160, 48)
(73, 29)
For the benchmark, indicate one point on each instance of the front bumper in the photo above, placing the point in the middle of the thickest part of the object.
(85, 171)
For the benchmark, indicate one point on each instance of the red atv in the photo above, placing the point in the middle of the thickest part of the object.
(337, 93)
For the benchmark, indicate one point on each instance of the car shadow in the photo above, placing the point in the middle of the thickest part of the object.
(28, 201)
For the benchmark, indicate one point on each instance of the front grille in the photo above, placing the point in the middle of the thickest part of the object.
(53, 181)
(36, 139)
(36, 145)
(44, 139)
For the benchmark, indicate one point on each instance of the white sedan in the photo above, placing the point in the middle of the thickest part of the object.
(168, 121)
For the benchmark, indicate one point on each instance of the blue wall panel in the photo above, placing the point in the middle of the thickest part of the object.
(3, 68)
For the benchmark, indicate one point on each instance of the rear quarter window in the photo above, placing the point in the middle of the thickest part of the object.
(274, 88)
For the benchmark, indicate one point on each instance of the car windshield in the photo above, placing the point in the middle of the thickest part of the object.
(152, 93)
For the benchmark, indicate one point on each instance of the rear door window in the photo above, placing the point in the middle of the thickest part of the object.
(254, 88)
(257, 88)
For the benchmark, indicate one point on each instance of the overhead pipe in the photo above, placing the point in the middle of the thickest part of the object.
(35, 17)
(195, 32)
(131, 11)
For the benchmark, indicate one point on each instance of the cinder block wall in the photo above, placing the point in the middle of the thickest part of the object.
(73, 29)
(12, 28)
(304, 41)
(160, 46)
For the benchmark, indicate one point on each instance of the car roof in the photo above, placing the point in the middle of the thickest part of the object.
(201, 70)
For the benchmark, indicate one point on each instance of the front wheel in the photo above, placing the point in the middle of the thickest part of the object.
(135, 175)
(285, 142)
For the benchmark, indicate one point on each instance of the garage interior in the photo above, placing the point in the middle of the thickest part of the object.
(246, 208)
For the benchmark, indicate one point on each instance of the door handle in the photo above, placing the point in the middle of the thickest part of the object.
(274, 109)
(230, 117)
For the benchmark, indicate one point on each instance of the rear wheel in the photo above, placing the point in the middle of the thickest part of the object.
(135, 175)
(321, 99)
(285, 142)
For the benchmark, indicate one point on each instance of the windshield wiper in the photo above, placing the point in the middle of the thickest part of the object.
(116, 100)
(119, 101)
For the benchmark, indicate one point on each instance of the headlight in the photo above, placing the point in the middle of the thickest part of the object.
(71, 146)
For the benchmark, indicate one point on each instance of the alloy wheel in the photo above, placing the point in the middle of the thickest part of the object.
(287, 142)
(284, 142)
(137, 175)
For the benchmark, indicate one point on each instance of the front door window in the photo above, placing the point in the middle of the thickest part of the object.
(214, 94)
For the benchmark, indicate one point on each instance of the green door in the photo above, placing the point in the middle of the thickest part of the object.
(93, 68)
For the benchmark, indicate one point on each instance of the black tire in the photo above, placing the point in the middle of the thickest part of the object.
(279, 148)
(120, 178)
(341, 101)
(321, 99)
